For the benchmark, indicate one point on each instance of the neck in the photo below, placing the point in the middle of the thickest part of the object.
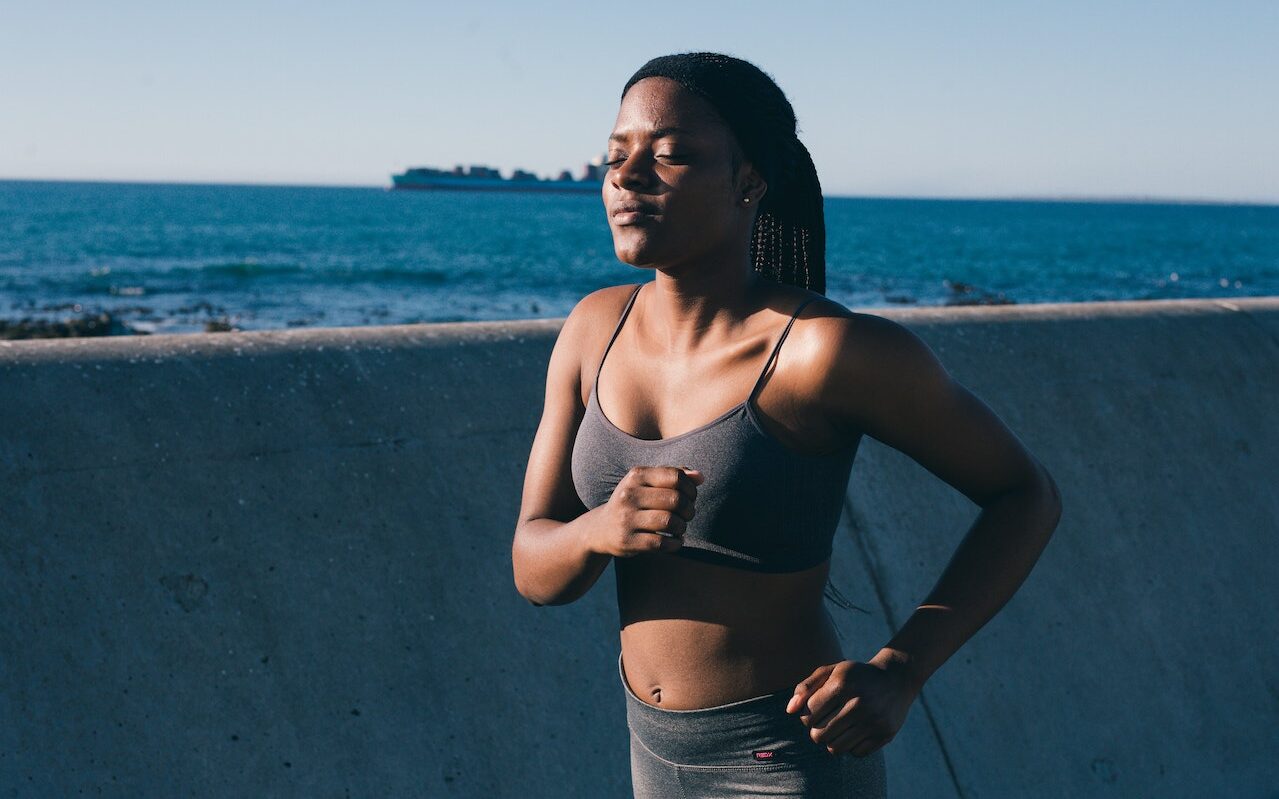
(701, 305)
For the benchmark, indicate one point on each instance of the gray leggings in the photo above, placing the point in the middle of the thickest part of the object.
(752, 747)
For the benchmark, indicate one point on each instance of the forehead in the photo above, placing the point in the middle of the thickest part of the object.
(660, 106)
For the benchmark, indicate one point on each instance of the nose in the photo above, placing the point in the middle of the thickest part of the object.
(634, 173)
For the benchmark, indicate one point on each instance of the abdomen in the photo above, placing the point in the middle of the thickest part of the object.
(698, 635)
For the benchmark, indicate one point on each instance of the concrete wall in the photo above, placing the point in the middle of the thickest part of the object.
(278, 564)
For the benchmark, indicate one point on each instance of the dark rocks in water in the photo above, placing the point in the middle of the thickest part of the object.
(100, 324)
(967, 294)
(221, 325)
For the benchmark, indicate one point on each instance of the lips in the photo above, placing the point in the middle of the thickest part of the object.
(630, 210)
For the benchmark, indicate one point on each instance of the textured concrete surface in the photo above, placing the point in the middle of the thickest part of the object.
(278, 564)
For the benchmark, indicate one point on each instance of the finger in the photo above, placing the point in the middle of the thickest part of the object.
(669, 543)
(694, 475)
(866, 746)
(686, 483)
(835, 722)
(836, 696)
(659, 521)
(799, 700)
(806, 687)
(657, 498)
(679, 502)
(655, 542)
(847, 740)
(685, 480)
(669, 477)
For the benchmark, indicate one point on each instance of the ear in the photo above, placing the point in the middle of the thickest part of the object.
(750, 184)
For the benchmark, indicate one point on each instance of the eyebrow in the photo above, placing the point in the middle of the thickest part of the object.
(656, 134)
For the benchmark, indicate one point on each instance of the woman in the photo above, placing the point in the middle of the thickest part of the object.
(720, 531)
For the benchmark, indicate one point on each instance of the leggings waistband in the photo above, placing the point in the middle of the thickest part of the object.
(745, 732)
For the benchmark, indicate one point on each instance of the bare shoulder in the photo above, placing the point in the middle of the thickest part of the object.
(840, 339)
(872, 375)
(589, 324)
(857, 362)
(599, 305)
(596, 311)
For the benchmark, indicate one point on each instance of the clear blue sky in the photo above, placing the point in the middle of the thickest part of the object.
(1085, 98)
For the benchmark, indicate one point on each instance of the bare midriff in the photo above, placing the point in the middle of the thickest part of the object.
(697, 635)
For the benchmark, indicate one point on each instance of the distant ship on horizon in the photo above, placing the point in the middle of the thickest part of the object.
(483, 178)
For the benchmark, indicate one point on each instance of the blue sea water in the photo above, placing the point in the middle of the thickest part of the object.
(169, 257)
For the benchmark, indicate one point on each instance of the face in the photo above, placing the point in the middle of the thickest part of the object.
(671, 154)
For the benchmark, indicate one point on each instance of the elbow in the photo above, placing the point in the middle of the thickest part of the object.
(1051, 497)
(535, 598)
(1036, 493)
(519, 576)
(1045, 499)
(540, 599)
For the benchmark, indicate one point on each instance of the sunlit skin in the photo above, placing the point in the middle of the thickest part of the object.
(695, 634)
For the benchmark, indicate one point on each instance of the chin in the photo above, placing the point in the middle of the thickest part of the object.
(632, 258)
(635, 253)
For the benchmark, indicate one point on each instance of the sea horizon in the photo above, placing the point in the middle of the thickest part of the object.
(91, 257)
(1117, 199)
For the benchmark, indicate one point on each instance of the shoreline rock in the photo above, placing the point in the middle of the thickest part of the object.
(100, 324)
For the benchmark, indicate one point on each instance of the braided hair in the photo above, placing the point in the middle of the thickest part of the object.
(788, 242)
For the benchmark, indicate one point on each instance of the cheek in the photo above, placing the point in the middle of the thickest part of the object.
(703, 217)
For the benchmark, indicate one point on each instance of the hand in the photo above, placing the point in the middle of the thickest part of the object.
(647, 511)
(855, 707)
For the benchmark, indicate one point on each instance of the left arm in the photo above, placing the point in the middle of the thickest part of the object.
(885, 381)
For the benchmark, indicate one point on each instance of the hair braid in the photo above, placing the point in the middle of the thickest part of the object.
(788, 242)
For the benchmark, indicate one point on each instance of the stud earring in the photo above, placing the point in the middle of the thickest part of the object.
(746, 200)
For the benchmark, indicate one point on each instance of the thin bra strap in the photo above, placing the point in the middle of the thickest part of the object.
(620, 320)
(777, 347)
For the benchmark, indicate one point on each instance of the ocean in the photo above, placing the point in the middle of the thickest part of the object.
(171, 258)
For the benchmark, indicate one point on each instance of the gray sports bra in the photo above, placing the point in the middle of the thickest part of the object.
(763, 506)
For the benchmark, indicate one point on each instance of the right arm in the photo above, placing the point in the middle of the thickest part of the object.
(560, 548)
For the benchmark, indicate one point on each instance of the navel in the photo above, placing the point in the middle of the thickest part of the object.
(657, 696)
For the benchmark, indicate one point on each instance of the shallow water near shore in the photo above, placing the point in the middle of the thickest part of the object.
(104, 258)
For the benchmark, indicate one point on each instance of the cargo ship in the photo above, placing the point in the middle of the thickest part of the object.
(482, 178)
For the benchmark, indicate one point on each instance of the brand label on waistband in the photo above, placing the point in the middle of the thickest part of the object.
(764, 754)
